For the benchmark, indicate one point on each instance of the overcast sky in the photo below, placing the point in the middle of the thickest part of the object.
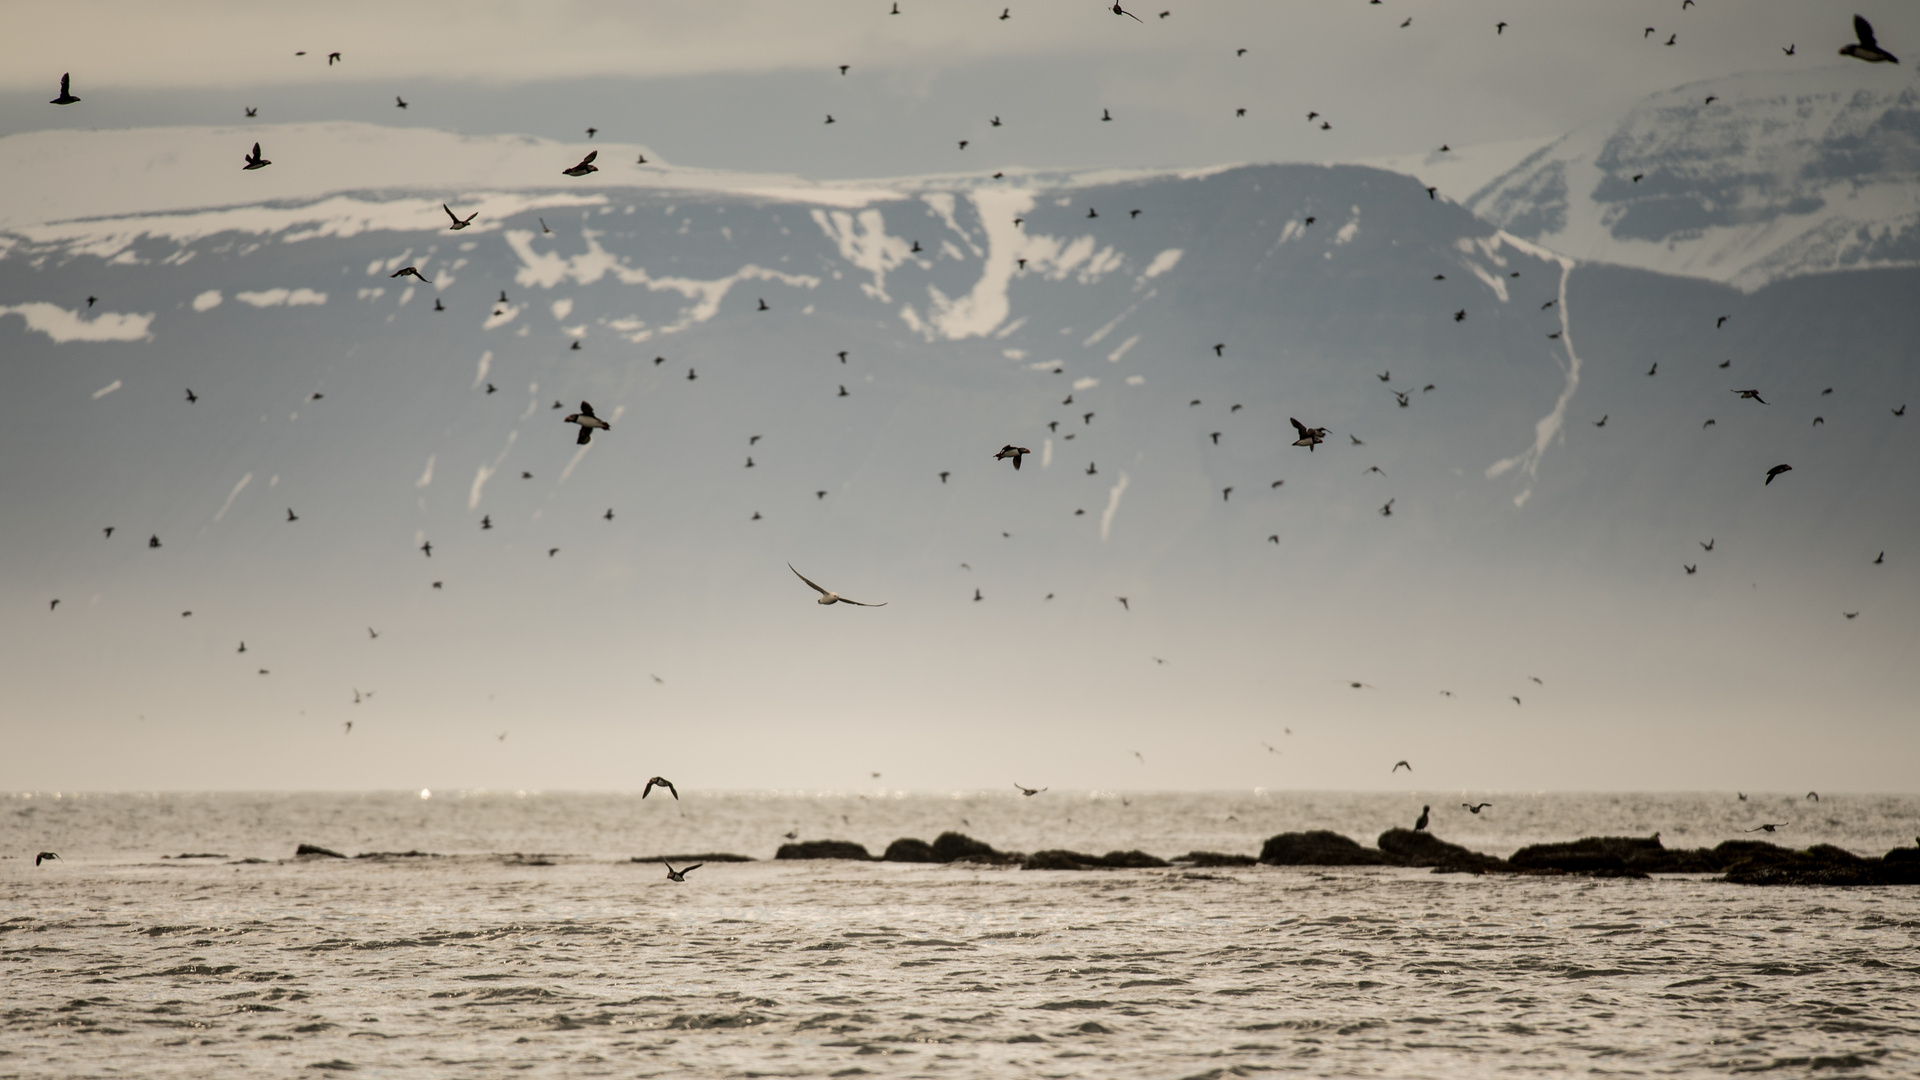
(747, 84)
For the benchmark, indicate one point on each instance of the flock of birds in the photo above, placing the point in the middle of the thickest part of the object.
(1866, 48)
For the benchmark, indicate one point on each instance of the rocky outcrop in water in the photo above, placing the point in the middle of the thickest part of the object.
(824, 849)
(1824, 864)
(1073, 860)
(316, 850)
(1212, 859)
(707, 857)
(1617, 856)
(1319, 847)
(907, 849)
(1410, 848)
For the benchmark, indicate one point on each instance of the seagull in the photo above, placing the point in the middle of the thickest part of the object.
(1868, 49)
(831, 597)
(410, 271)
(1754, 394)
(1474, 808)
(254, 160)
(1421, 824)
(66, 96)
(1028, 791)
(1309, 437)
(45, 855)
(1007, 451)
(586, 165)
(458, 221)
(1776, 471)
(679, 875)
(587, 422)
(1398, 765)
(1769, 826)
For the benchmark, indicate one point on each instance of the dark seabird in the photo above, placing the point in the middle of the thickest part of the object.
(437, 306)
(1309, 437)
(609, 514)
(551, 552)
(1460, 316)
(242, 648)
(254, 160)
(1474, 808)
(109, 531)
(45, 855)
(409, 271)
(679, 875)
(830, 118)
(427, 547)
(1516, 699)
(1689, 567)
(1790, 50)
(1654, 369)
(1499, 28)
(1421, 824)
(1769, 826)
(831, 597)
(1028, 791)
(1813, 796)
(1901, 411)
(587, 422)
(399, 102)
(1091, 471)
(1124, 603)
(1431, 193)
(1007, 451)
(1602, 422)
(660, 781)
(1882, 557)
(191, 396)
(1118, 10)
(1776, 471)
(1105, 115)
(586, 165)
(458, 221)
(53, 605)
(153, 541)
(1868, 49)
(1387, 510)
(291, 516)
(66, 96)
(1398, 765)
(1754, 394)
(843, 391)
(763, 304)
(333, 58)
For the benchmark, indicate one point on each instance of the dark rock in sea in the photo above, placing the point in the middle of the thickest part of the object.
(824, 849)
(1903, 855)
(949, 846)
(396, 855)
(1209, 859)
(1074, 860)
(1133, 860)
(1822, 864)
(1410, 848)
(907, 849)
(711, 856)
(1319, 847)
(195, 855)
(316, 849)
(1616, 856)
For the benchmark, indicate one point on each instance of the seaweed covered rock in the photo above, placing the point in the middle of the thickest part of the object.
(1319, 847)
(1410, 848)
(1616, 855)
(1211, 859)
(305, 850)
(1132, 860)
(953, 846)
(907, 849)
(824, 849)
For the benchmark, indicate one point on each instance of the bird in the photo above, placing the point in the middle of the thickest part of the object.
(1401, 396)
(332, 58)
(1216, 438)
(1028, 791)
(1742, 794)
(1776, 471)
(609, 514)
(1408, 23)
(1602, 422)
(1706, 425)
(1813, 796)
(660, 781)
(1226, 494)
(1868, 49)
(1769, 826)
(53, 605)
(1516, 699)
(458, 221)
(254, 160)
(437, 306)
(690, 375)
(1754, 394)
(1006, 13)
(45, 855)
(486, 521)
(1398, 765)
(1105, 115)
(1647, 33)
(679, 875)
(976, 594)
(831, 597)
(1789, 50)
(1499, 28)
(1672, 38)
(843, 391)
(1474, 808)
(1431, 193)
(66, 95)
(1273, 538)
(1655, 368)
(153, 541)
(1720, 322)
(1901, 411)
(587, 422)
(1387, 510)
(1689, 567)
(1309, 437)
(251, 110)
(371, 634)
(551, 552)
(1818, 420)
(1374, 469)
(763, 304)
(1420, 825)
(409, 271)
(586, 165)
(1882, 557)
(109, 531)
(1460, 316)
(399, 102)
(1639, 176)
(830, 118)
(1007, 451)
(242, 648)
(427, 547)
(191, 396)
(1118, 10)
(1091, 471)
(291, 516)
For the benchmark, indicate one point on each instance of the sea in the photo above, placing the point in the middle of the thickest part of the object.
(177, 936)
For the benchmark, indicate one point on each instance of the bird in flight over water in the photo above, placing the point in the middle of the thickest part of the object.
(1398, 765)
(831, 597)
(45, 855)
(1769, 826)
(586, 165)
(254, 160)
(458, 221)
(679, 875)
(1474, 808)
(1028, 791)
(660, 781)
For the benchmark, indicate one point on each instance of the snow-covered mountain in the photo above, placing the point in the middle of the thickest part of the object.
(1746, 180)
(820, 374)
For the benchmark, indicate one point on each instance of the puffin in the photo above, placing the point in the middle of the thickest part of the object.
(587, 422)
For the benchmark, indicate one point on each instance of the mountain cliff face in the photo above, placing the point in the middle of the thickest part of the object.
(821, 377)
(1746, 180)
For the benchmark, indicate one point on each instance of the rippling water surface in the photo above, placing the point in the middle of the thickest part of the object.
(533, 947)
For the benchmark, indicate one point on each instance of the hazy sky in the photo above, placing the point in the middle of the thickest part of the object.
(747, 84)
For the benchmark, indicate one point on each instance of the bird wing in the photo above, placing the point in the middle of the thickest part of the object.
(586, 409)
(586, 436)
(803, 577)
(674, 791)
(1016, 461)
(857, 603)
(591, 154)
(450, 213)
(1299, 427)
(644, 792)
(692, 868)
(1861, 28)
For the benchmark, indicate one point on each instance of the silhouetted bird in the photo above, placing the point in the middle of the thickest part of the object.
(1398, 765)
(1309, 437)
(1754, 394)
(680, 875)
(1028, 791)
(251, 111)
(66, 96)
(1776, 471)
(1689, 569)
(409, 271)
(1769, 827)
(1868, 49)
(660, 781)
(1813, 796)
(1790, 50)
(399, 102)
(1007, 451)
(254, 160)
(1387, 510)
(1124, 603)
(153, 541)
(586, 165)
(1474, 808)
(1420, 825)
(831, 597)
(458, 221)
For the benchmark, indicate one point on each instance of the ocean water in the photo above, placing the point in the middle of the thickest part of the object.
(532, 946)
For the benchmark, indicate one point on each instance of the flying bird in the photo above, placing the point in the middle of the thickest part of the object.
(254, 160)
(458, 221)
(66, 95)
(410, 271)
(831, 597)
(1499, 28)
(679, 875)
(1868, 49)
(45, 855)
(1754, 394)
(333, 58)
(1028, 791)
(291, 516)
(1387, 510)
(1789, 50)
(1398, 765)
(1124, 603)
(1309, 437)
(1474, 808)
(1007, 451)
(660, 781)
(1118, 10)
(586, 165)
(587, 422)
(399, 102)
(1690, 568)
(1813, 796)
(1769, 826)
(1776, 471)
